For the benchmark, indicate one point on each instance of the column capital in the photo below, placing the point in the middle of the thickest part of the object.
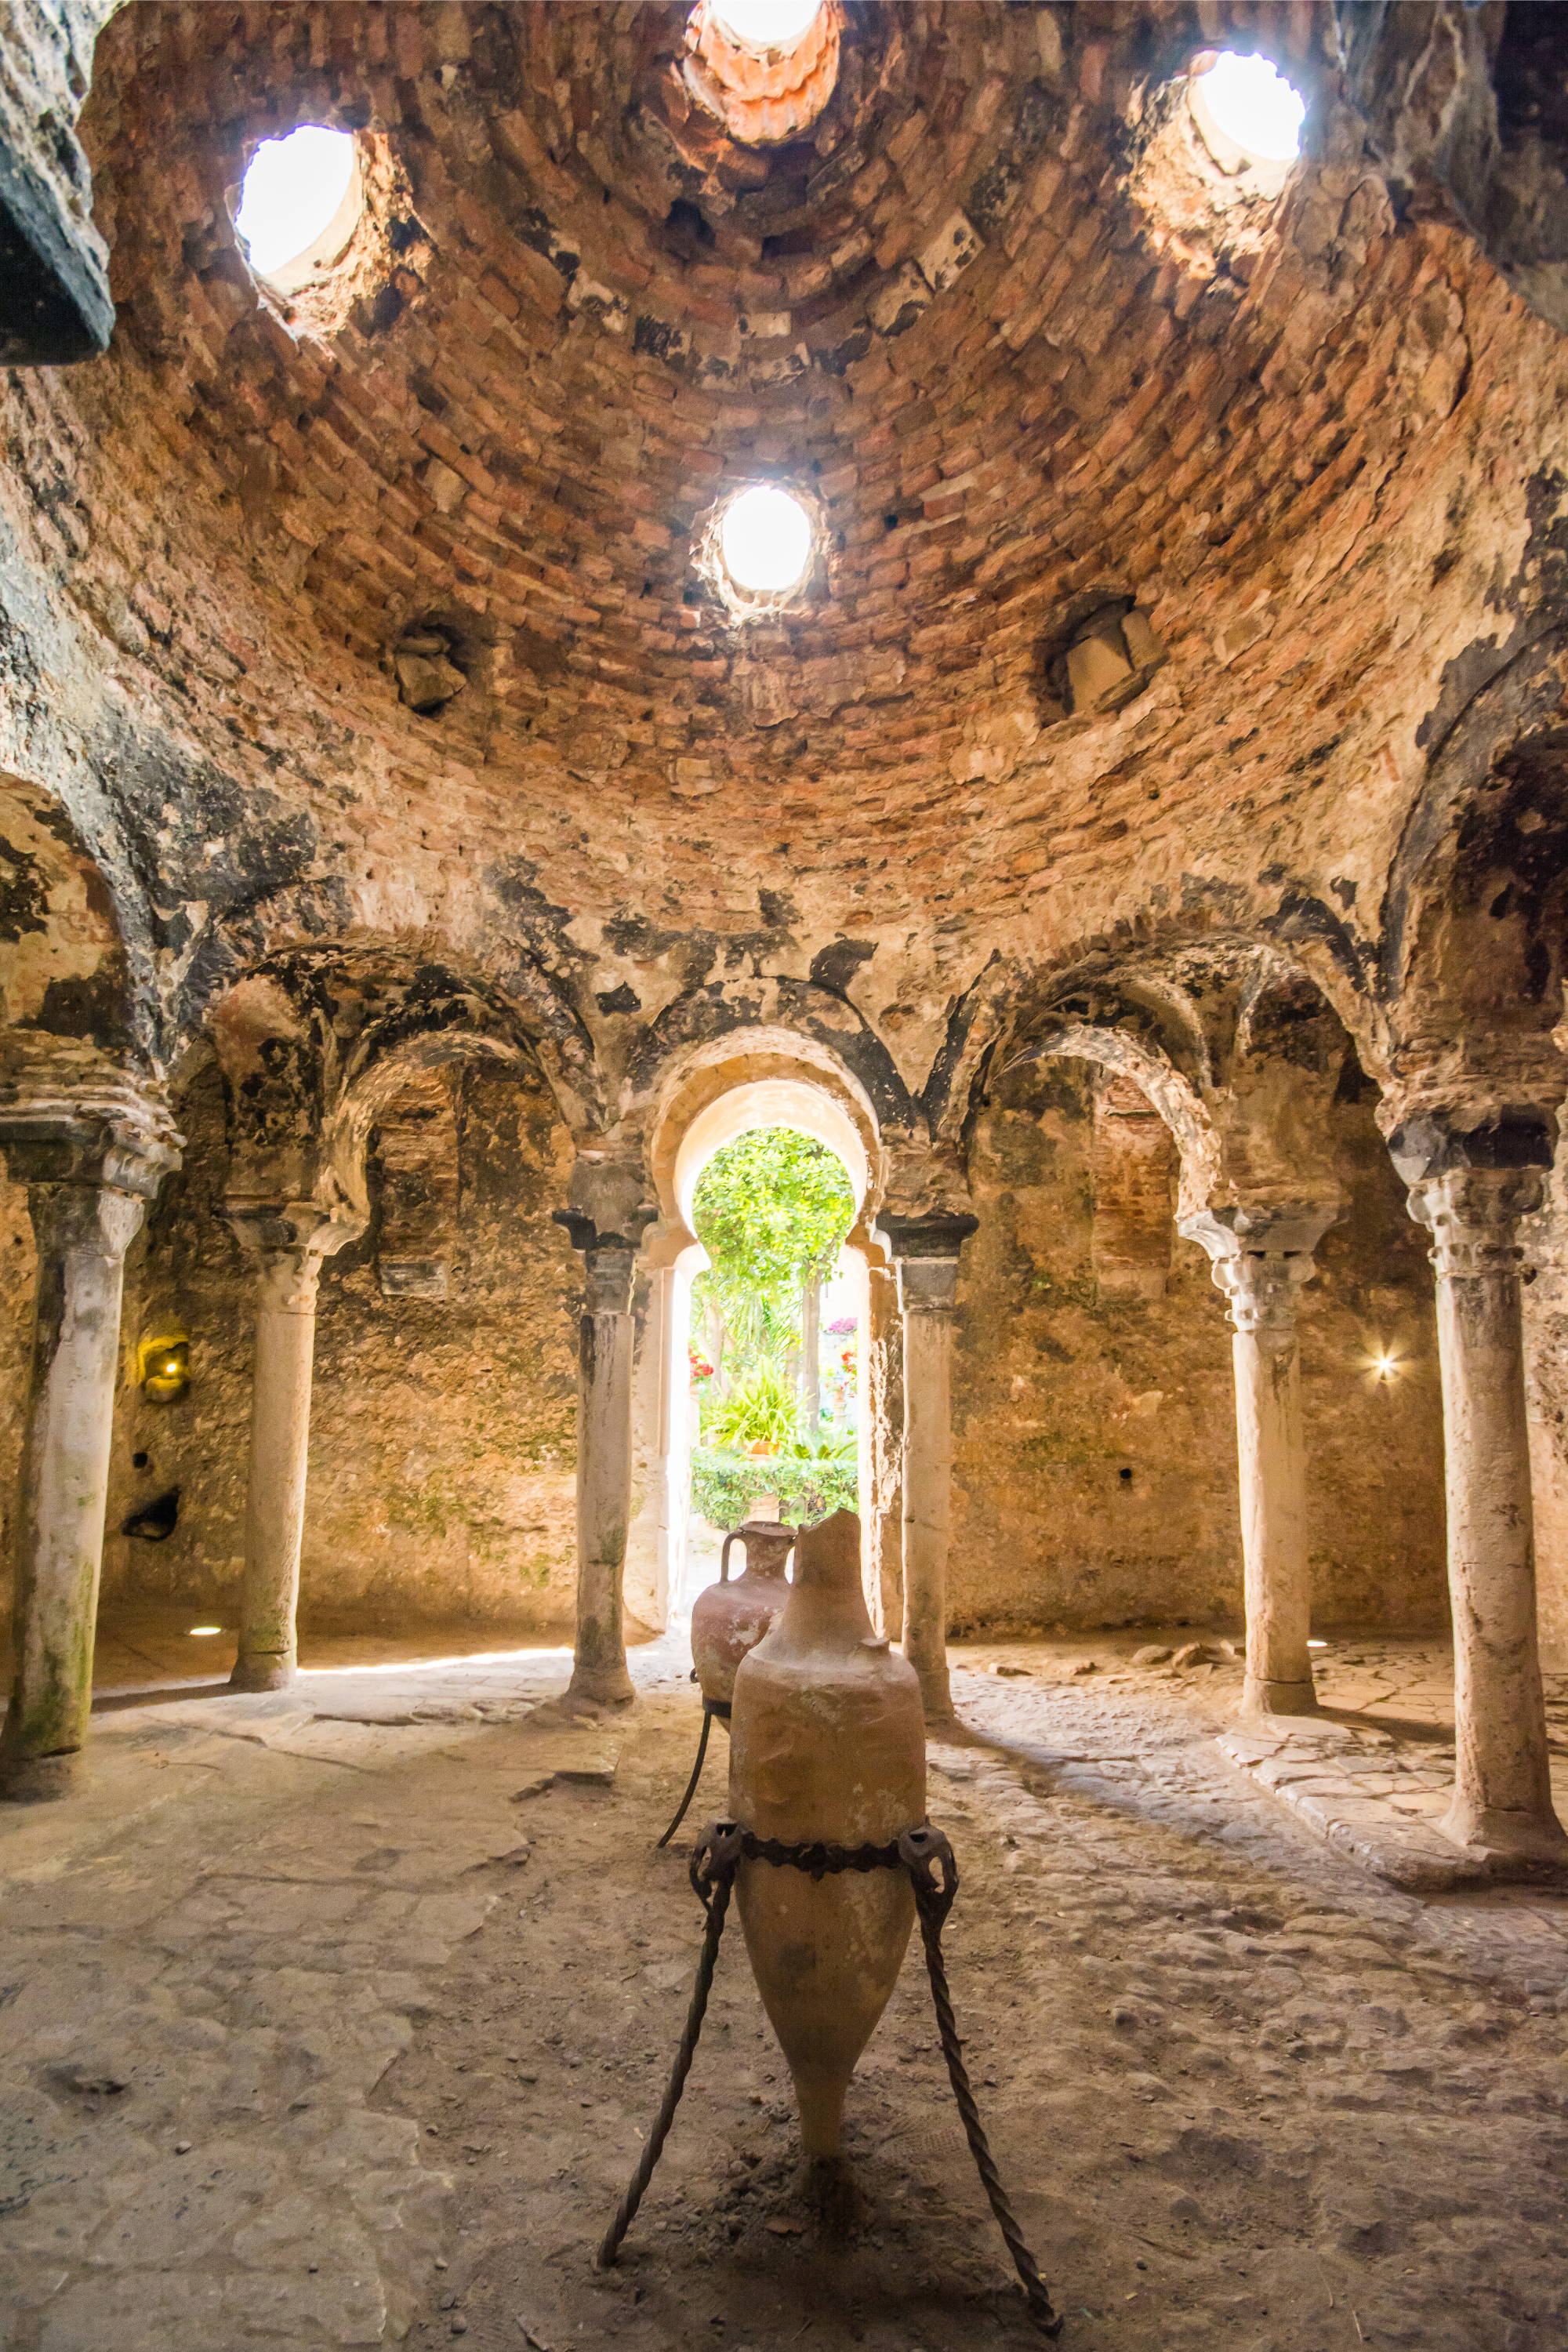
(288, 1241)
(609, 1259)
(1262, 1256)
(116, 1135)
(1473, 1213)
(608, 1203)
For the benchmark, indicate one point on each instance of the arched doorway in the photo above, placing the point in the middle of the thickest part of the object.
(720, 1094)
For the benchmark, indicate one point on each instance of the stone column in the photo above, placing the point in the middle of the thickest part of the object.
(1502, 1796)
(288, 1240)
(605, 1353)
(1262, 1258)
(925, 1252)
(87, 1185)
(879, 1403)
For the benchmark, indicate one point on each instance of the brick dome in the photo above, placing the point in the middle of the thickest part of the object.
(1028, 364)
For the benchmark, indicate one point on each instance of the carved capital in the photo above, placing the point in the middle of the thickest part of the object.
(1262, 1290)
(288, 1240)
(70, 1220)
(1262, 1254)
(114, 1134)
(1473, 1216)
(606, 1223)
(608, 1204)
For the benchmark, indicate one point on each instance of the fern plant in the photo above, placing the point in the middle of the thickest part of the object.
(759, 1410)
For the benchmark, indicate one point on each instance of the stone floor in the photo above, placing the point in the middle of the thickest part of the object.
(335, 2019)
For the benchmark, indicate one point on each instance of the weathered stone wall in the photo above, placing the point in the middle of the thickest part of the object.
(442, 1432)
(1060, 1392)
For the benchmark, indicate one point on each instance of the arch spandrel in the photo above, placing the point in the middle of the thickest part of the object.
(66, 995)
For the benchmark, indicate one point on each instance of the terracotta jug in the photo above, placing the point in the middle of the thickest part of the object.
(827, 1742)
(729, 1619)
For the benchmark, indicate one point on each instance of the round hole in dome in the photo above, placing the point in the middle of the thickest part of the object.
(1254, 106)
(768, 24)
(765, 539)
(299, 202)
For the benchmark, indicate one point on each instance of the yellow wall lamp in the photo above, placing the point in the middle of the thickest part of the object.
(163, 1367)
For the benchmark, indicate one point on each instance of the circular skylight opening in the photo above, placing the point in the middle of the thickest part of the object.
(300, 204)
(1255, 106)
(765, 541)
(768, 24)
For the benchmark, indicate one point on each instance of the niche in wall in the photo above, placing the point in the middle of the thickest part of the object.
(1134, 1162)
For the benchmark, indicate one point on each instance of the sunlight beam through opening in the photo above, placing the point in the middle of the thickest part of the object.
(1256, 106)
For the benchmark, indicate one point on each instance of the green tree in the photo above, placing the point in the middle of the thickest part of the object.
(772, 1210)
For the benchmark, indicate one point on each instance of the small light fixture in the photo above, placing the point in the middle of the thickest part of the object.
(1316, 1645)
(163, 1367)
(1383, 1365)
(202, 1631)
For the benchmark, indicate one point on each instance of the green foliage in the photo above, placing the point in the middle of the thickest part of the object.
(769, 1205)
(725, 1487)
(760, 1409)
(832, 1445)
(769, 1208)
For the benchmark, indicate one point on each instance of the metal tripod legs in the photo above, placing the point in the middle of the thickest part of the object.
(711, 1708)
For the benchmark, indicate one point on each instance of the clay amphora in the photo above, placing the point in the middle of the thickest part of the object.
(729, 1619)
(827, 1741)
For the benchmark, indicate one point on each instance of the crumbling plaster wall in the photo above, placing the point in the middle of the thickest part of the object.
(443, 1431)
(1057, 1391)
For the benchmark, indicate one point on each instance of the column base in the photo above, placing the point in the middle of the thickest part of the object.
(39, 1780)
(952, 1731)
(1505, 1839)
(599, 1686)
(1259, 1698)
(262, 1669)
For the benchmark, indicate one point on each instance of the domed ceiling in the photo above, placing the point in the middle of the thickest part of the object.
(994, 313)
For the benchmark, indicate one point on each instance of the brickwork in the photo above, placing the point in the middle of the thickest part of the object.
(1266, 445)
(1031, 357)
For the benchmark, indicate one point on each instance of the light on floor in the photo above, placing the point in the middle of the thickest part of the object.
(1255, 106)
(1316, 1645)
(765, 539)
(207, 1629)
(768, 24)
(292, 189)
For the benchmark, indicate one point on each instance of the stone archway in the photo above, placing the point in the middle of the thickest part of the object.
(714, 1094)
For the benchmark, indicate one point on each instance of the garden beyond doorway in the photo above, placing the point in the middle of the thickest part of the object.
(775, 1332)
